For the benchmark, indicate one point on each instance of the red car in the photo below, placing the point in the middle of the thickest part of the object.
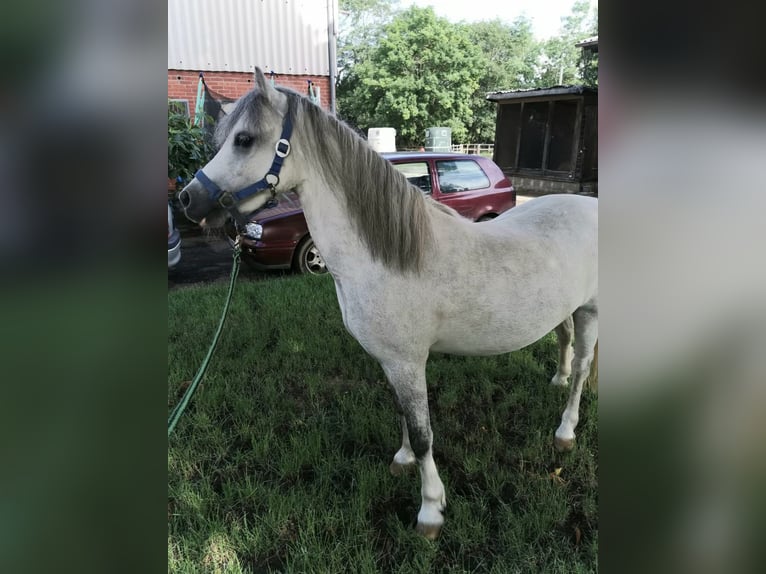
(278, 238)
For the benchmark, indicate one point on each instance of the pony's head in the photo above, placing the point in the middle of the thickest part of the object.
(248, 165)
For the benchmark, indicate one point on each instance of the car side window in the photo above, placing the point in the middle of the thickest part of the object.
(460, 175)
(417, 174)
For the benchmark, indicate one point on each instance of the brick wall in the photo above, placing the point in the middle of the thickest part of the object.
(182, 84)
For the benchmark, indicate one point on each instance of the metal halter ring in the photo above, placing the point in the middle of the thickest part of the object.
(272, 179)
(285, 145)
(226, 200)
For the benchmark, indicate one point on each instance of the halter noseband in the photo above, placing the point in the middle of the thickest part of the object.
(228, 200)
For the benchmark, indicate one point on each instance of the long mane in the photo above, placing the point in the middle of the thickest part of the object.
(390, 215)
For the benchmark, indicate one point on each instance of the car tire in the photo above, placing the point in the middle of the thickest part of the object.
(487, 217)
(308, 260)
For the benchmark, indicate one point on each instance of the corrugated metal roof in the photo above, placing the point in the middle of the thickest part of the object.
(284, 36)
(587, 42)
(552, 91)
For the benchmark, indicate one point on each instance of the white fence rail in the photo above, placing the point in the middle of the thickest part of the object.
(478, 148)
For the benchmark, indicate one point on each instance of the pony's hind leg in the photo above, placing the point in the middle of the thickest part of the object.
(404, 459)
(565, 335)
(409, 384)
(586, 335)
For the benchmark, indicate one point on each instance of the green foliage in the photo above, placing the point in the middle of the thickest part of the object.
(589, 67)
(561, 58)
(281, 461)
(361, 24)
(423, 72)
(510, 55)
(410, 69)
(189, 148)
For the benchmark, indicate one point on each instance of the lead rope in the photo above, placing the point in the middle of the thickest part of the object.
(178, 410)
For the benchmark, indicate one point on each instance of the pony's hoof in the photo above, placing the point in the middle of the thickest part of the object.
(559, 381)
(429, 531)
(398, 469)
(563, 444)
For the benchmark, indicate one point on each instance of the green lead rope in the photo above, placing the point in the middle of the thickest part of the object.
(178, 410)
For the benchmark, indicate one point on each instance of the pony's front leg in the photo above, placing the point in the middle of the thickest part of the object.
(409, 384)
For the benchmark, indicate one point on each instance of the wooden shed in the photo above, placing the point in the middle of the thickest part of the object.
(546, 139)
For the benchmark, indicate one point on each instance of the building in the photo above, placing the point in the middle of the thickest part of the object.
(546, 139)
(224, 40)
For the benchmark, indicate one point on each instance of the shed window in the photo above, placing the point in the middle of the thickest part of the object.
(507, 137)
(533, 122)
(548, 136)
(562, 135)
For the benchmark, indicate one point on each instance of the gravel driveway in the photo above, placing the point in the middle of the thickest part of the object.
(207, 259)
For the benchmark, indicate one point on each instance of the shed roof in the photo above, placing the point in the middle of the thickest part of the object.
(535, 92)
(588, 42)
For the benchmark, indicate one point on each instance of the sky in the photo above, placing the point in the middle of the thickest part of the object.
(545, 14)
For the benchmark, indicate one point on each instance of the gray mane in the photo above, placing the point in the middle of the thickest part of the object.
(389, 214)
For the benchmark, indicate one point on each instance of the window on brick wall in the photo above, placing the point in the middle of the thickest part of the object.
(181, 106)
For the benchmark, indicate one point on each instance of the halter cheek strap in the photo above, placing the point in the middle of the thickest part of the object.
(228, 200)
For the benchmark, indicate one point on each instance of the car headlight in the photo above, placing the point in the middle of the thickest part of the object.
(254, 230)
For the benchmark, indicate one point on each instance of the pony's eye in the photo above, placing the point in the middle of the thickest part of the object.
(243, 139)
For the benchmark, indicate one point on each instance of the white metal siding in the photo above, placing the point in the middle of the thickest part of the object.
(284, 36)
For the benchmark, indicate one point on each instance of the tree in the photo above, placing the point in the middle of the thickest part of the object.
(421, 73)
(589, 56)
(589, 67)
(561, 56)
(361, 23)
(411, 70)
(510, 57)
(360, 27)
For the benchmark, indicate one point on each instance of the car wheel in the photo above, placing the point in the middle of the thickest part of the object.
(308, 259)
(486, 218)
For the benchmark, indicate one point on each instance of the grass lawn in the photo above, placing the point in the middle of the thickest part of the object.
(280, 463)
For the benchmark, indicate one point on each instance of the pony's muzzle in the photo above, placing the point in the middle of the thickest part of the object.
(195, 207)
(184, 198)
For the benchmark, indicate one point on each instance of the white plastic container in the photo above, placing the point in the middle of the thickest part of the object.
(382, 139)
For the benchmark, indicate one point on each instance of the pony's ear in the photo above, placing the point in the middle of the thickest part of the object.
(271, 95)
(260, 81)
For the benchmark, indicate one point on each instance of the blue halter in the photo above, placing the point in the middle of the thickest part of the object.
(228, 200)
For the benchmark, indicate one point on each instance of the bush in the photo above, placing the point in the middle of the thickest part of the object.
(189, 146)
